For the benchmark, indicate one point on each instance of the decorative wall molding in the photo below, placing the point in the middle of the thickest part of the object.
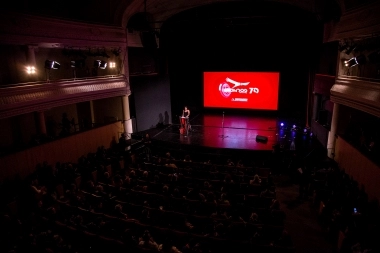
(361, 94)
(23, 29)
(21, 99)
(359, 22)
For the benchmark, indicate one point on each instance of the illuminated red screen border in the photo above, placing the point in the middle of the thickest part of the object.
(241, 90)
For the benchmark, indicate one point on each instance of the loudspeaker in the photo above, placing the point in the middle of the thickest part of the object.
(260, 138)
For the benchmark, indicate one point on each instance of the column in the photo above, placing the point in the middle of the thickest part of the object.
(92, 113)
(334, 126)
(41, 123)
(127, 118)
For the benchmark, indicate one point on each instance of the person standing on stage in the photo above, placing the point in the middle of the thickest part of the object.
(186, 114)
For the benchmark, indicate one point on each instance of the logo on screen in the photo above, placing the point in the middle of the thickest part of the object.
(225, 89)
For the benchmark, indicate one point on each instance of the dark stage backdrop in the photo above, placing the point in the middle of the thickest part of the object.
(272, 39)
(150, 101)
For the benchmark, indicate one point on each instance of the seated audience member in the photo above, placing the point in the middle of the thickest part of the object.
(267, 193)
(118, 212)
(223, 199)
(90, 186)
(219, 215)
(275, 205)
(146, 241)
(165, 191)
(107, 178)
(207, 186)
(145, 175)
(72, 195)
(176, 193)
(168, 248)
(256, 179)
(171, 164)
(77, 222)
(240, 164)
(187, 158)
(128, 183)
(117, 180)
(235, 217)
(37, 189)
(194, 194)
(99, 191)
(230, 162)
(132, 174)
(219, 230)
(98, 207)
(254, 218)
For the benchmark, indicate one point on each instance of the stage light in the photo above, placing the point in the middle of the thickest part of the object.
(30, 70)
(112, 65)
(52, 64)
(355, 61)
(100, 64)
(294, 126)
(77, 63)
(281, 124)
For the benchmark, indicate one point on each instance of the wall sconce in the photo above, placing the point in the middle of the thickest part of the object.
(112, 65)
(52, 64)
(361, 59)
(100, 64)
(30, 70)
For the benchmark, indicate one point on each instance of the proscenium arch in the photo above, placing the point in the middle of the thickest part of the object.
(161, 10)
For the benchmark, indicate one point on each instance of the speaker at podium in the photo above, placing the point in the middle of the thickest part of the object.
(261, 138)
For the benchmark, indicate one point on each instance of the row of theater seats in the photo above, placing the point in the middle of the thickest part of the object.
(164, 224)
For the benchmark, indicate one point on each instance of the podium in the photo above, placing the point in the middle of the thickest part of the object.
(184, 125)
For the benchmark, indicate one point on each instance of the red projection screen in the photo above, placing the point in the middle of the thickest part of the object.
(242, 90)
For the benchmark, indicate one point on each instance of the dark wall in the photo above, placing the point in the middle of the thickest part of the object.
(150, 101)
(273, 38)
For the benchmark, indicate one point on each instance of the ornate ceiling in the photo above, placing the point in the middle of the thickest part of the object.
(118, 12)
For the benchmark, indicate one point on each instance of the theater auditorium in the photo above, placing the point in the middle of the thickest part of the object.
(190, 126)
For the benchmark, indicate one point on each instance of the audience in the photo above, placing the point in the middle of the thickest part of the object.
(163, 201)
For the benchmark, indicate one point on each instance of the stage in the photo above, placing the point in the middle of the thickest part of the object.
(222, 131)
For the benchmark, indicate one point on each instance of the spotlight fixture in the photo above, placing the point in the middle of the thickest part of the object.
(52, 64)
(100, 64)
(77, 63)
(355, 61)
(112, 65)
(30, 70)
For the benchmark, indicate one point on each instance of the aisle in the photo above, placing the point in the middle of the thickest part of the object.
(301, 219)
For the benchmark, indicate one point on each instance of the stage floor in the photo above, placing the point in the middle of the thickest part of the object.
(222, 131)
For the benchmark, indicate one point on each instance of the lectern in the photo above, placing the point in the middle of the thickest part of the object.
(184, 125)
